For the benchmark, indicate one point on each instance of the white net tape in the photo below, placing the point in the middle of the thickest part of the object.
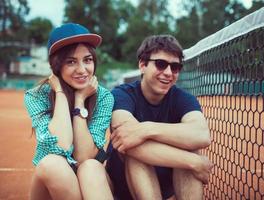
(246, 24)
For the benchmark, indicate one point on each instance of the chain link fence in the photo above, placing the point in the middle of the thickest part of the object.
(228, 80)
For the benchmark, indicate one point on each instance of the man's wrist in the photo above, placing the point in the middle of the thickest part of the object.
(196, 162)
(150, 131)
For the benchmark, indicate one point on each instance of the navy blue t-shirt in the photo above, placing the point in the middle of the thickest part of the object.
(171, 109)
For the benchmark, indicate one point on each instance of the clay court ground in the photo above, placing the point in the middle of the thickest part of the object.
(17, 146)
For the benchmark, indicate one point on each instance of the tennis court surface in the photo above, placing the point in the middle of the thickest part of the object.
(17, 147)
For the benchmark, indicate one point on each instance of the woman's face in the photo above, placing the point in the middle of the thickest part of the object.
(78, 68)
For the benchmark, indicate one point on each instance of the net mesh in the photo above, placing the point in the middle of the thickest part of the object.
(228, 81)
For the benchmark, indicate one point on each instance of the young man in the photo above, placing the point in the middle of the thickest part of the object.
(157, 130)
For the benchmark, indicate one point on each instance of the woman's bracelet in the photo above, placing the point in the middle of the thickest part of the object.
(59, 91)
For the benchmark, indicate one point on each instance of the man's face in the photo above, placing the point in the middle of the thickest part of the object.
(157, 81)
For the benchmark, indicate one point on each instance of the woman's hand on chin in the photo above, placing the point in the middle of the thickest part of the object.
(89, 90)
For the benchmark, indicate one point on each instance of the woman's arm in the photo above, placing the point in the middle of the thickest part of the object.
(83, 141)
(89, 139)
(37, 104)
(60, 124)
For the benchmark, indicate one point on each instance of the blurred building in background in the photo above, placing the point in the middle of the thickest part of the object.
(35, 64)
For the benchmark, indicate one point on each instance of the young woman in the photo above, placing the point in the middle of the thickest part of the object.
(70, 113)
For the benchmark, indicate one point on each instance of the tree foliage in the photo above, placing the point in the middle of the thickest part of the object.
(12, 17)
(12, 28)
(39, 29)
(209, 16)
(124, 25)
(101, 17)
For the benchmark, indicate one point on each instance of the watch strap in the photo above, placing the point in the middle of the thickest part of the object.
(101, 155)
(76, 111)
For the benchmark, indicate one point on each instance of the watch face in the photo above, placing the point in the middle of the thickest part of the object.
(84, 112)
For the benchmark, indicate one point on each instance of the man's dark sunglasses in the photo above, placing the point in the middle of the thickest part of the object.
(163, 64)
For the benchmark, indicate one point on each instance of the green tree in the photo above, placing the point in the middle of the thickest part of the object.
(150, 17)
(12, 13)
(256, 4)
(102, 17)
(207, 17)
(219, 14)
(39, 29)
(12, 29)
(188, 29)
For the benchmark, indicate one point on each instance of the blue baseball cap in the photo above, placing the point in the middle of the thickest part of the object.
(70, 33)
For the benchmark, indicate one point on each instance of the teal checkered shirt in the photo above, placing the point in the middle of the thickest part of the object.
(37, 102)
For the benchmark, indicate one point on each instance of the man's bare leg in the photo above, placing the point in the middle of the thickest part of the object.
(142, 180)
(186, 185)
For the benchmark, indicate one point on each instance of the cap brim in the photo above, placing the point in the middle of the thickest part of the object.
(93, 39)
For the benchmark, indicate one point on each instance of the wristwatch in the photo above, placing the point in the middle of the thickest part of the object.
(82, 112)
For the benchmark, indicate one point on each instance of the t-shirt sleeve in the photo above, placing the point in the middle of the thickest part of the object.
(187, 103)
(123, 100)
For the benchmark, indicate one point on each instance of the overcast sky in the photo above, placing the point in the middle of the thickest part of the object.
(54, 9)
(51, 9)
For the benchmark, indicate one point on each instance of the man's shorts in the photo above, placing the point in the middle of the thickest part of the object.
(116, 171)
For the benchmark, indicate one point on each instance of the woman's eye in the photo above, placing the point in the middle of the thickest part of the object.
(88, 60)
(70, 62)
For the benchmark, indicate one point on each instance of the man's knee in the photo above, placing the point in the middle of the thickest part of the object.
(183, 175)
(186, 185)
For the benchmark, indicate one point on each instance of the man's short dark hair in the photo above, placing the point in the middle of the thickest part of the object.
(155, 43)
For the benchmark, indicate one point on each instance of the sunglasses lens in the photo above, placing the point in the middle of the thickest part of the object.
(176, 67)
(161, 64)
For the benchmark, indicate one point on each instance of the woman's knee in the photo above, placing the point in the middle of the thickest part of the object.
(92, 168)
(50, 166)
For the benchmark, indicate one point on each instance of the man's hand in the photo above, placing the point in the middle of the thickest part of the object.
(203, 170)
(128, 134)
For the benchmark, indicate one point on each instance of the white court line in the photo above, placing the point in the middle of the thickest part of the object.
(16, 169)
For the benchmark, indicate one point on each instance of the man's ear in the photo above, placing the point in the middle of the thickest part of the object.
(141, 66)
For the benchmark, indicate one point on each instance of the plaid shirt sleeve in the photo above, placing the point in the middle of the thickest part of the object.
(36, 102)
(101, 117)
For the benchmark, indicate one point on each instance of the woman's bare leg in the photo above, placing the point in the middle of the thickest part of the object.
(38, 190)
(54, 179)
(92, 175)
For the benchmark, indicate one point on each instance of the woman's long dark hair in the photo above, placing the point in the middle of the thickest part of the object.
(56, 61)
